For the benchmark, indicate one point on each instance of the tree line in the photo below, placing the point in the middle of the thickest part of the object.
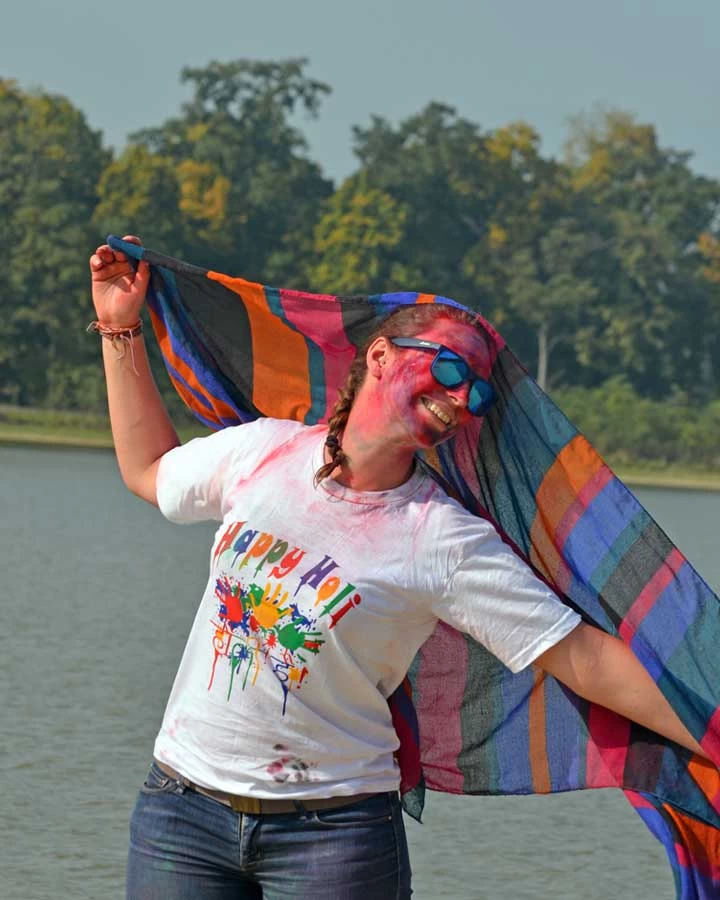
(601, 267)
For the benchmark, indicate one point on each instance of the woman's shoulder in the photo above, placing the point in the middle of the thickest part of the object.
(205, 466)
(235, 443)
(452, 522)
(262, 430)
(269, 427)
(263, 436)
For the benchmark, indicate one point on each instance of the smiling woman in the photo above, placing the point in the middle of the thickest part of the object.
(305, 632)
(338, 556)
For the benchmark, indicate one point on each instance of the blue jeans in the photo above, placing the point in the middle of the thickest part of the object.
(186, 846)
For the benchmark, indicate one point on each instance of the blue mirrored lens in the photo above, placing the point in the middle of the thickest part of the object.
(450, 371)
(480, 398)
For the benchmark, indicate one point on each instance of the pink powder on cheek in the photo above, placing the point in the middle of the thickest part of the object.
(406, 382)
(366, 415)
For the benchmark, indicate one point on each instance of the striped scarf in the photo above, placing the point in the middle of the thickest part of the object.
(236, 350)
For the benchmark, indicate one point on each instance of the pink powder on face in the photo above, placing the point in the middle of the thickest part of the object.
(405, 387)
(408, 380)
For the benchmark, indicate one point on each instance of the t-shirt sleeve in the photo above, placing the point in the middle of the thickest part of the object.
(193, 479)
(495, 597)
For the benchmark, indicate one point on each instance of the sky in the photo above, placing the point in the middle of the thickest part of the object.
(541, 61)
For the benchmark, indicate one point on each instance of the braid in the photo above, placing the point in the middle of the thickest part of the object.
(406, 321)
(339, 417)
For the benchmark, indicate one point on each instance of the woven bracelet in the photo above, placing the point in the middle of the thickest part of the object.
(120, 338)
(111, 331)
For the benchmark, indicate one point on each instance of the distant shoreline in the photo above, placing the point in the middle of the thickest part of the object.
(29, 437)
(633, 476)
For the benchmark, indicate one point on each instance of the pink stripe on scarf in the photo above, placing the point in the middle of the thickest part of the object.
(438, 703)
(607, 747)
(649, 594)
(322, 322)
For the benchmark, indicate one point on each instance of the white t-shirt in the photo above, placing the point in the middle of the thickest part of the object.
(317, 602)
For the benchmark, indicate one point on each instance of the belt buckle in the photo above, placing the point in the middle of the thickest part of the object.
(251, 805)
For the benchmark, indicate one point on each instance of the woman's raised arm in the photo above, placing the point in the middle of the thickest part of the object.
(142, 430)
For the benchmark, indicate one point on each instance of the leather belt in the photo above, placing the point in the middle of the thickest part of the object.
(259, 806)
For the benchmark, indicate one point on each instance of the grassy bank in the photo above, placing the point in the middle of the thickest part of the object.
(670, 477)
(85, 430)
(55, 428)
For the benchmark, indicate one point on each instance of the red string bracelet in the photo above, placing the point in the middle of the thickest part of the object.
(120, 337)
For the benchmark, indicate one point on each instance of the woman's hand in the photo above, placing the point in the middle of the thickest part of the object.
(118, 290)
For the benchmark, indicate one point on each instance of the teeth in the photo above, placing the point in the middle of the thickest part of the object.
(436, 411)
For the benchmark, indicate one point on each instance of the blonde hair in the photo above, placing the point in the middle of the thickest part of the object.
(407, 321)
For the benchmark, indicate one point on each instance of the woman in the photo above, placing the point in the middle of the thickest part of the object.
(335, 557)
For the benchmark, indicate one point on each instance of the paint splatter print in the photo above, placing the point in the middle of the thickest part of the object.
(288, 768)
(258, 623)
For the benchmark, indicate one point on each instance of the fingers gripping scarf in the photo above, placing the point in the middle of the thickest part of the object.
(236, 350)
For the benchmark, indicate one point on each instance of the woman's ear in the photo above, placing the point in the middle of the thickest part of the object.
(377, 356)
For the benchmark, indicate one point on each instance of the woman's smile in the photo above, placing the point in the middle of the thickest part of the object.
(438, 411)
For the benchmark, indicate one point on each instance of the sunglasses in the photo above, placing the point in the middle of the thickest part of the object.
(451, 370)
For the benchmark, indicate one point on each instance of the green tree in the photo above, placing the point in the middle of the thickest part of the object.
(50, 163)
(139, 193)
(249, 196)
(356, 241)
(546, 290)
(532, 259)
(653, 209)
(435, 166)
(709, 247)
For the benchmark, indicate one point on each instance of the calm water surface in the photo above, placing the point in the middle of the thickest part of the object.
(98, 594)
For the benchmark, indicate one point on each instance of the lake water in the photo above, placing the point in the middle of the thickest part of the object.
(98, 594)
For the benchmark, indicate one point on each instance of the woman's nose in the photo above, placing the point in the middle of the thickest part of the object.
(459, 394)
